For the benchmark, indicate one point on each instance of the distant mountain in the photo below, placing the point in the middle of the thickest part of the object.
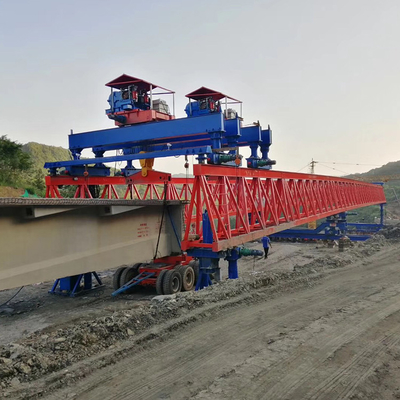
(391, 168)
(391, 171)
(42, 153)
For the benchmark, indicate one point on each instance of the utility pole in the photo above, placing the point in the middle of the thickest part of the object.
(312, 165)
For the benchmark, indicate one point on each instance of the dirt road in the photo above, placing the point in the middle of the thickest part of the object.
(336, 339)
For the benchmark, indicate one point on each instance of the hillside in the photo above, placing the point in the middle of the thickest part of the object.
(41, 153)
(392, 193)
(391, 168)
(16, 181)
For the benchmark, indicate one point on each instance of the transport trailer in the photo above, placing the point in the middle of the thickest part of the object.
(168, 275)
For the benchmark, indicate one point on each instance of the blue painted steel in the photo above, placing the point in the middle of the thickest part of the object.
(204, 278)
(173, 227)
(207, 231)
(334, 228)
(208, 260)
(169, 138)
(232, 263)
(142, 134)
(71, 286)
(170, 144)
(97, 170)
(365, 227)
(142, 156)
(233, 269)
(266, 142)
(204, 253)
(233, 132)
(205, 261)
(118, 103)
(255, 138)
(251, 134)
(229, 139)
(208, 134)
(135, 281)
(202, 107)
(318, 236)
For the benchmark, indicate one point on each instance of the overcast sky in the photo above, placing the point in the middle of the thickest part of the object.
(324, 74)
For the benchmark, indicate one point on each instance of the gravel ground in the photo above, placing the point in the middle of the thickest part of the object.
(49, 343)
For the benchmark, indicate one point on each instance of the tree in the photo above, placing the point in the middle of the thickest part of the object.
(13, 162)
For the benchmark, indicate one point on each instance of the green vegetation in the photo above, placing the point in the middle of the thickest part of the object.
(21, 166)
(41, 153)
(14, 163)
(389, 173)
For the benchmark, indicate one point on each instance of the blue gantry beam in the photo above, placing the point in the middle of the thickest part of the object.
(208, 136)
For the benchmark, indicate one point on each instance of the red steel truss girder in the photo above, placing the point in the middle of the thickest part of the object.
(265, 202)
(177, 188)
(262, 202)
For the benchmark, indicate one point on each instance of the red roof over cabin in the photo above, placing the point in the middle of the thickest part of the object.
(206, 92)
(124, 81)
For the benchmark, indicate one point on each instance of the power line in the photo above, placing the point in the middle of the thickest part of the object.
(334, 162)
(335, 169)
(307, 165)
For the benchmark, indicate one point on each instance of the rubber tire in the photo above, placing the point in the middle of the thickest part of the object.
(186, 272)
(159, 282)
(172, 282)
(128, 274)
(117, 277)
(195, 264)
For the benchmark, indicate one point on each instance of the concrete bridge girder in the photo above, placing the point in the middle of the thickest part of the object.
(40, 243)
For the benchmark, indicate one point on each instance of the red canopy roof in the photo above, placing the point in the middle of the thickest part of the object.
(124, 81)
(206, 92)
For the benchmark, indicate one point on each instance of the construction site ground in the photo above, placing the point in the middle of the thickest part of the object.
(308, 323)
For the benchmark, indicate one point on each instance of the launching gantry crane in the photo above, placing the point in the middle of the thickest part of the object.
(212, 131)
(228, 205)
(147, 130)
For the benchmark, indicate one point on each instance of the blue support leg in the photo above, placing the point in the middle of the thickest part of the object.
(233, 269)
(204, 278)
(232, 263)
(71, 285)
(216, 268)
(203, 281)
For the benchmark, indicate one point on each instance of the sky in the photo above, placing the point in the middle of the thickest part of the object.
(323, 74)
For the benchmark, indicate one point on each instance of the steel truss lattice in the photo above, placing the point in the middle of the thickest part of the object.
(246, 204)
(242, 204)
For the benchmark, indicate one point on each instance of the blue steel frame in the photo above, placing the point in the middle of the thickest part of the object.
(334, 230)
(209, 260)
(70, 286)
(207, 136)
(139, 156)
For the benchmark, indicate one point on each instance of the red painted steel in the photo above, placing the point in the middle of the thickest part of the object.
(142, 116)
(243, 204)
(151, 187)
(170, 262)
(82, 183)
(246, 204)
